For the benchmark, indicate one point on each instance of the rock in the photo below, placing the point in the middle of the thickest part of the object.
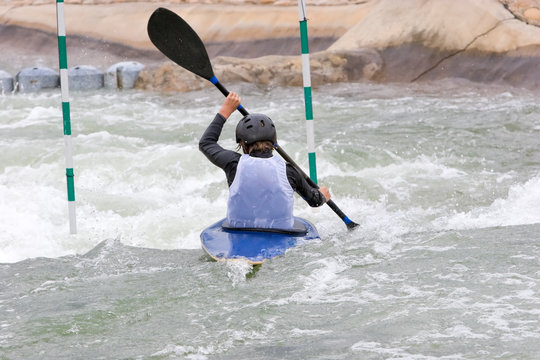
(377, 40)
(442, 25)
(84, 77)
(37, 78)
(416, 40)
(169, 78)
(525, 10)
(125, 22)
(6, 82)
(475, 39)
(326, 67)
(123, 75)
(532, 16)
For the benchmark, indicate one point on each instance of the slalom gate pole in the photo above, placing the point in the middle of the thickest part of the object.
(64, 88)
(306, 76)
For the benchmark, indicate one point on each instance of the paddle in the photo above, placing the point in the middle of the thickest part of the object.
(180, 43)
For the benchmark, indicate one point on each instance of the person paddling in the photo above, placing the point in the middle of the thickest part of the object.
(261, 185)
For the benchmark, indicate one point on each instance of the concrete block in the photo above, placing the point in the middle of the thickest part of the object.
(123, 75)
(37, 78)
(84, 77)
(6, 82)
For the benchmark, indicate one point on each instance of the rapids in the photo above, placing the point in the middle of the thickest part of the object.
(443, 178)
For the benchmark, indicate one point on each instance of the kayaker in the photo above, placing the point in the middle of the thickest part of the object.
(261, 185)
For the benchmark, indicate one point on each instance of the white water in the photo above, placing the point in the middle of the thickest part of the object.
(419, 161)
(443, 178)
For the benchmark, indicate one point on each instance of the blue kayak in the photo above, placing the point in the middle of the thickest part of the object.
(222, 242)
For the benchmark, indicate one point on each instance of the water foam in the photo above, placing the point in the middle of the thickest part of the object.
(520, 207)
(139, 176)
(327, 283)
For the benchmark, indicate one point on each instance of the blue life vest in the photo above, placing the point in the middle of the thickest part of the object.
(260, 195)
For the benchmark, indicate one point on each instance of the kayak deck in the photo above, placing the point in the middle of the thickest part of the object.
(255, 246)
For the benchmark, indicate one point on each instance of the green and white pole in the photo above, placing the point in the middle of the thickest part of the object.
(306, 75)
(64, 88)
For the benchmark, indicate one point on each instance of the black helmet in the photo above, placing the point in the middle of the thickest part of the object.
(255, 127)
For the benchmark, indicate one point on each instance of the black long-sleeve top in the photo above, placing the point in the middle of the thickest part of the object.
(228, 161)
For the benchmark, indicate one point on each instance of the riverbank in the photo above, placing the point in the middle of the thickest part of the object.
(258, 41)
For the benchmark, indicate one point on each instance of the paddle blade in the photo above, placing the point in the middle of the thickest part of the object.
(179, 42)
(351, 225)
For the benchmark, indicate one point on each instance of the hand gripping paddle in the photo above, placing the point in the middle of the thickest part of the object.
(180, 43)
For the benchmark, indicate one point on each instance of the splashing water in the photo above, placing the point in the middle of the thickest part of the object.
(443, 178)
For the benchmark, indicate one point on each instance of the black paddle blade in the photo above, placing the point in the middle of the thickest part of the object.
(179, 42)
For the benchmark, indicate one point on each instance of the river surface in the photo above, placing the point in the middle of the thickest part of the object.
(443, 178)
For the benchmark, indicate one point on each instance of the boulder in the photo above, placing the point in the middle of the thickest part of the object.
(525, 10)
(169, 78)
(326, 67)
(413, 40)
(426, 40)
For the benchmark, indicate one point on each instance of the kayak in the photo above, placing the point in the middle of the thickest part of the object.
(222, 242)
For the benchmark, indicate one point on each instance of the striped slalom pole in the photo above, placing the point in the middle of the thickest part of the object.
(64, 88)
(306, 75)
